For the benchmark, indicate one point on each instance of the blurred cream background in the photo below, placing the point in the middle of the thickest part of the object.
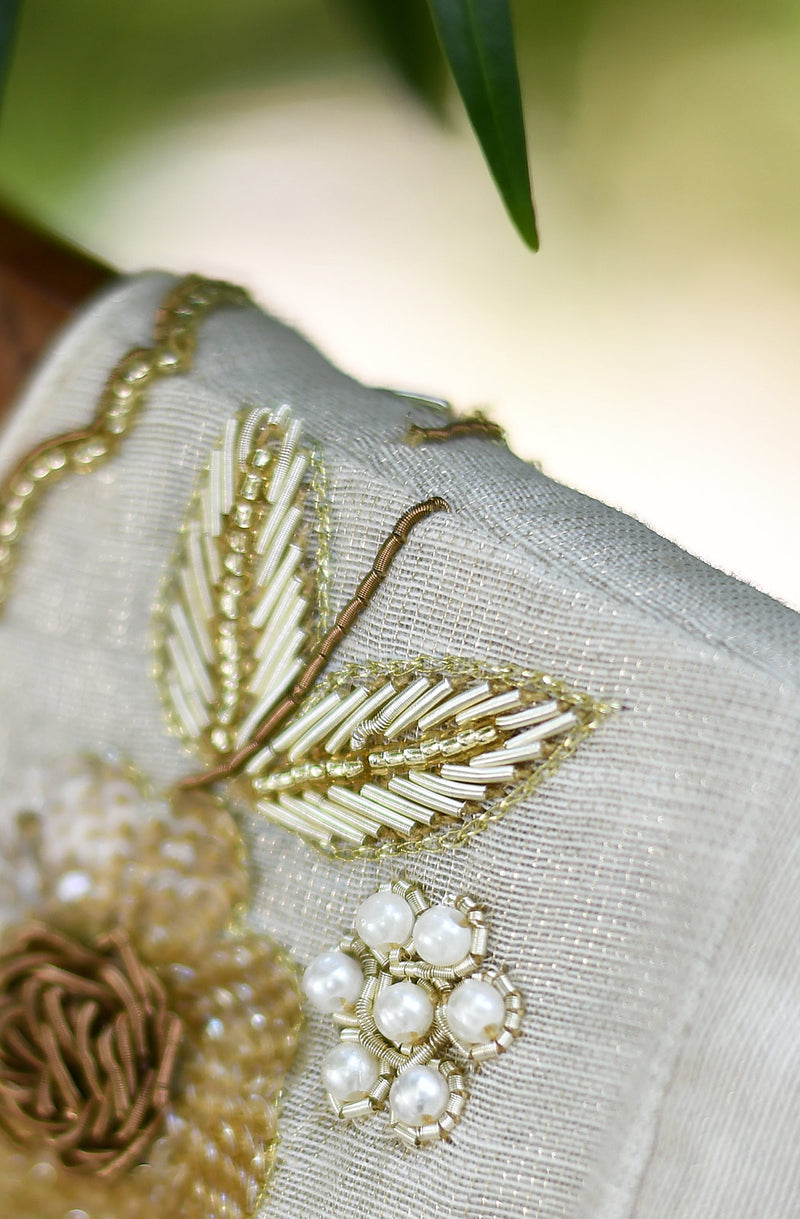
(647, 355)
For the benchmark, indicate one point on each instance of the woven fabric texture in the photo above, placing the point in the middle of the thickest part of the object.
(645, 900)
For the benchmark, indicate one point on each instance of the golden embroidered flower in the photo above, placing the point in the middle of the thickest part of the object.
(144, 1031)
(88, 1048)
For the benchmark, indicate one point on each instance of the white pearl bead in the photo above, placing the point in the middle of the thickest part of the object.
(349, 1071)
(442, 935)
(333, 981)
(384, 920)
(403, 1012)
(476, 1012)
(419, 1096)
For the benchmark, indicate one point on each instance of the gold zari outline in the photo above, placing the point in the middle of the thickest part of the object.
(82, 450)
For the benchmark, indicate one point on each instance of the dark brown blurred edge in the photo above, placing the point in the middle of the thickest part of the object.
(43, 280)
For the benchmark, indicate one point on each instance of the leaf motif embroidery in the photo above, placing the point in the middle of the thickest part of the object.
(237, 611)
(398, 754)
(373, 759)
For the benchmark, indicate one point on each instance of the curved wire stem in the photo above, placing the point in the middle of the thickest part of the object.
(318, 660)
(467, 425)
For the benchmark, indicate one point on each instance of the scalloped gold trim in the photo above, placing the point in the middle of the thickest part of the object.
(82, 450)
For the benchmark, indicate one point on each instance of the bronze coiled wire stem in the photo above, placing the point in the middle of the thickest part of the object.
(322, 653)
(476, 425)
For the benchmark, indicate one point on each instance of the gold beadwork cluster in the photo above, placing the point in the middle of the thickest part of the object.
(417, 1016)
(172, 352)
(171, 880)
(321, 492)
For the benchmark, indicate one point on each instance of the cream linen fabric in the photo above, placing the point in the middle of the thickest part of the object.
(647, 900)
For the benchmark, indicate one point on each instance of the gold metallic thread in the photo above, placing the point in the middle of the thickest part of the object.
(320, 655)
(372, 788)
(351, 763)
(321, 492)
(455, 834)
(84, 449)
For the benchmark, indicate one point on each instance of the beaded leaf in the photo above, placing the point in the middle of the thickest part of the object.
(236, 611)
(392, 754)
(372, 759)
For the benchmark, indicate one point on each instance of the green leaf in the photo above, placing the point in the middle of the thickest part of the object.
(9, 12)
(478, 42)
(404, 32)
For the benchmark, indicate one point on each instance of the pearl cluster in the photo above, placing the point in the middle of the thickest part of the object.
(417, 1009)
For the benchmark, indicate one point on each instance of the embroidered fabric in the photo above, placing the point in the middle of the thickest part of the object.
(644, 894)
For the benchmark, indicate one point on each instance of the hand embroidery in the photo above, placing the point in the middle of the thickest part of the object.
(417, 1008)
(371, 760)
(174, 341)
(458, 428)
(144, 1031)
(124, 893)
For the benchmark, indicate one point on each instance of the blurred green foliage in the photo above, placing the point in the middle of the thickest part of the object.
(90, 75)
(107, 70)
(477, 39)
(8, 29)
(405, 35)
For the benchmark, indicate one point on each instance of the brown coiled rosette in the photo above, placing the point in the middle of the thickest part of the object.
(88, 1048)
